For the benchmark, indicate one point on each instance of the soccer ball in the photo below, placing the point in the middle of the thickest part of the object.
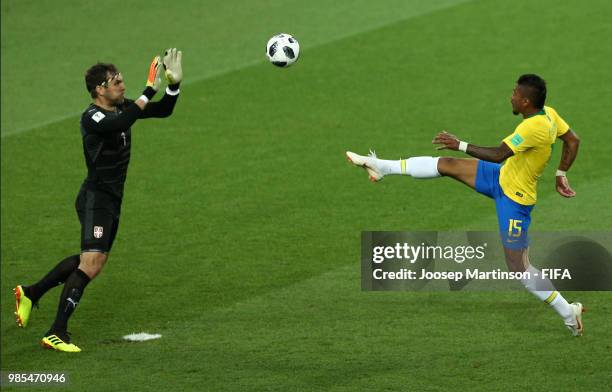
(283, 50)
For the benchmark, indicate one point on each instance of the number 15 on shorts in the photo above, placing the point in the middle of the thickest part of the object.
(514, 228)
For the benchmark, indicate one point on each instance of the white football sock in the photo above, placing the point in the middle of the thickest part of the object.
(417, 167)
(544, 290)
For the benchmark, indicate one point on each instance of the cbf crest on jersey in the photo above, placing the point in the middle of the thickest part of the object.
(98, 231)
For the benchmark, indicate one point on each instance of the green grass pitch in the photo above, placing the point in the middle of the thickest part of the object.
(239, 238)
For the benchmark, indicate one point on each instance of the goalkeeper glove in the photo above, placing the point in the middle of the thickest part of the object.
(154, 79)
(172, 65)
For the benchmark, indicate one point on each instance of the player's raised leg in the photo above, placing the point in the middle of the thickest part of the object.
(461, 169)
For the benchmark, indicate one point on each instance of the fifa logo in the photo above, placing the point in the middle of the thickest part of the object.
(98, 231)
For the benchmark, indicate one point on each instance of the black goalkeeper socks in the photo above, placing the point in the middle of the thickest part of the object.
(55, 277)
(71, 295)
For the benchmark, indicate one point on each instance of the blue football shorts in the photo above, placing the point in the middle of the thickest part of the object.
(513, 218)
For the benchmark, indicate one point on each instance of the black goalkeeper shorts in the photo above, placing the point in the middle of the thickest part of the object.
(99, 216)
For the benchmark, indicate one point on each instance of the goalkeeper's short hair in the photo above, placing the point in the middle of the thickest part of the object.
(97, 74)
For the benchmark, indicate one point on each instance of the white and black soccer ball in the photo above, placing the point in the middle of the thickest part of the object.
(283, 50)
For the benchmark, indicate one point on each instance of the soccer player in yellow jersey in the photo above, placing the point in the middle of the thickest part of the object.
(513, 186)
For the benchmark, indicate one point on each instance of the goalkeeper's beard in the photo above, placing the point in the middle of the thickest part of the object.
(119, 100)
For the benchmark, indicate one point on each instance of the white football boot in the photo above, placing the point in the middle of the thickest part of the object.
(576, 328)
(368, 163)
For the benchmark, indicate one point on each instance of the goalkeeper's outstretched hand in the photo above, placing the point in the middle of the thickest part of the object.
(155, 71)
(173, 67)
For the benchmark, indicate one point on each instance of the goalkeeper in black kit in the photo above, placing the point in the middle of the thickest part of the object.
(106, 128)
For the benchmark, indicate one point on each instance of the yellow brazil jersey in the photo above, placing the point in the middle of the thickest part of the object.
(532, 142)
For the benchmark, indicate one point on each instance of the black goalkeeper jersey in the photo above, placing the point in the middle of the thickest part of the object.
(107, 141)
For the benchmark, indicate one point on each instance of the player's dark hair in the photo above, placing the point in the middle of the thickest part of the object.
(98, 74)
(535, 89)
